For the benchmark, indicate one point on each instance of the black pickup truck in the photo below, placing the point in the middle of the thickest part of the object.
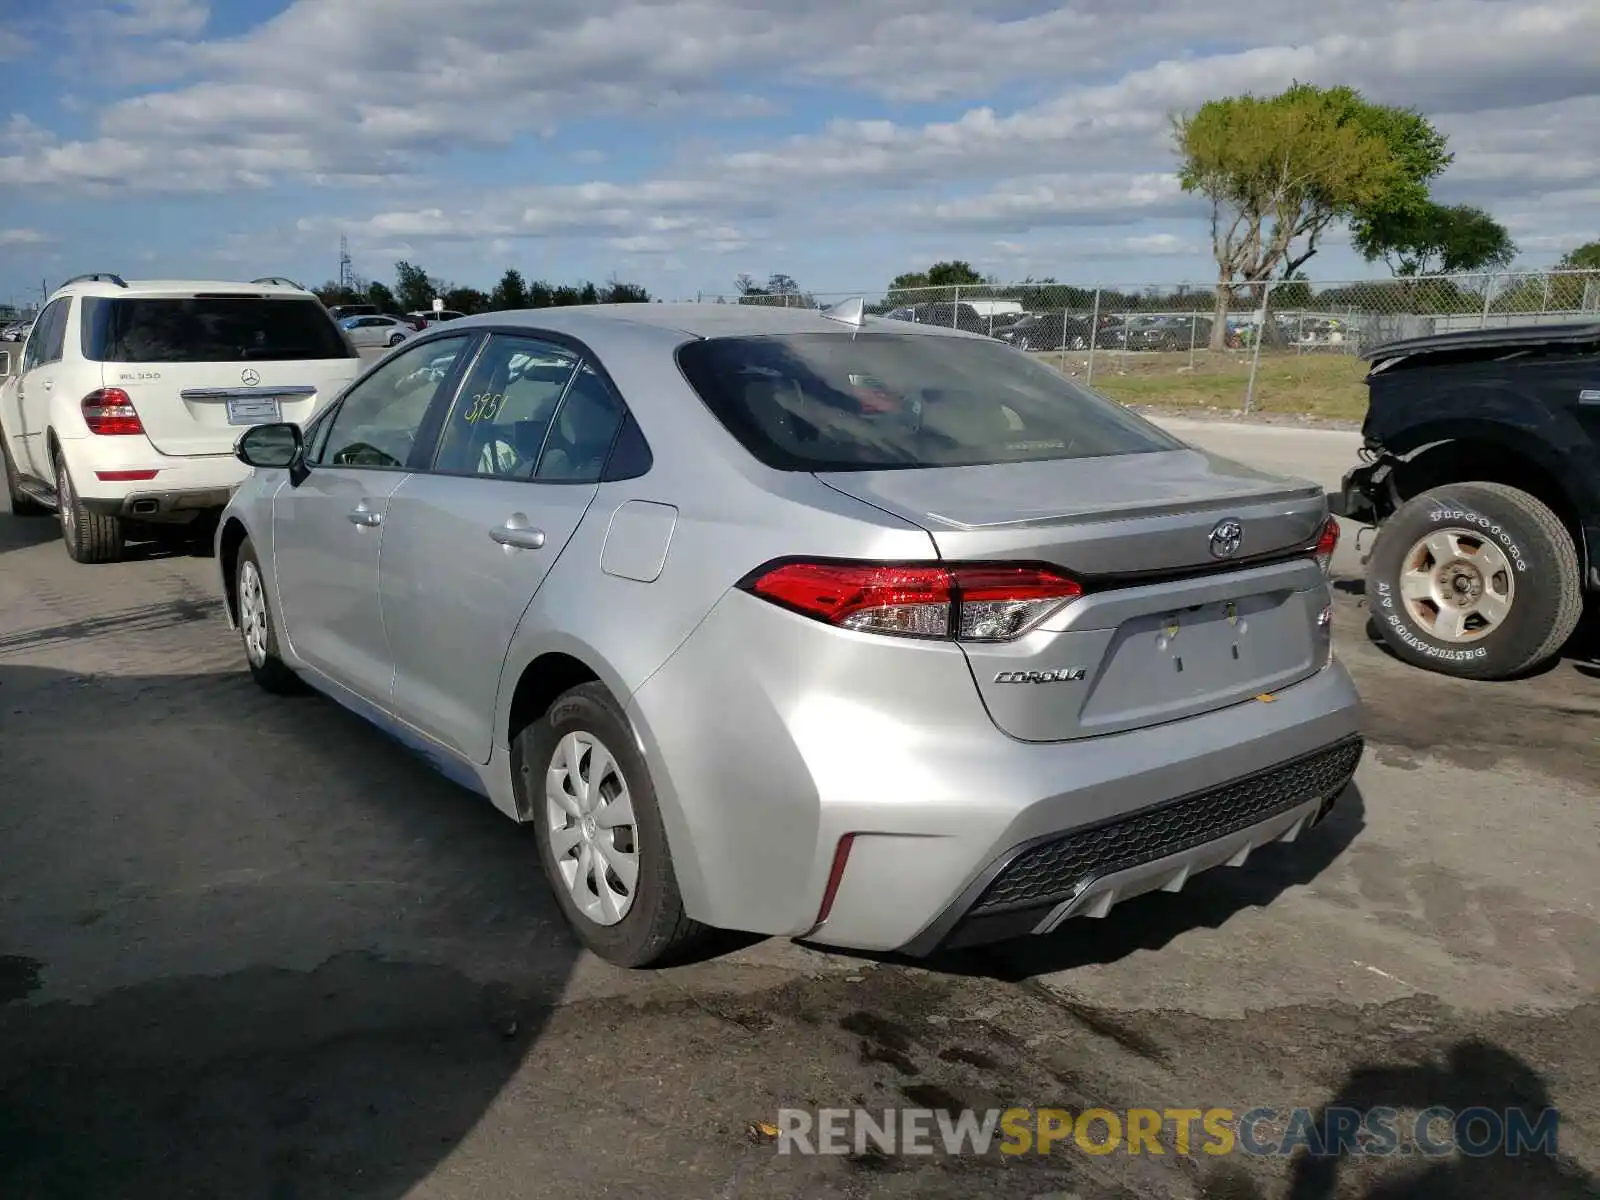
(1481, 471)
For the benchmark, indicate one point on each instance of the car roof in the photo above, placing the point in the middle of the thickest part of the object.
(696, 320)
(175, 287)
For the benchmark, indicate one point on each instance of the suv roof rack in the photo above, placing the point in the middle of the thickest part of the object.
(278, 281)
(99, 277)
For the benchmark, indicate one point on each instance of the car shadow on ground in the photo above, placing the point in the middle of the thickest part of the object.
(248, 946)
(143, 545)
(1472, 1075)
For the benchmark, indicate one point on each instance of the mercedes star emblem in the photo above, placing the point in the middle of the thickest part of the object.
(250, 377)
(1226, 538)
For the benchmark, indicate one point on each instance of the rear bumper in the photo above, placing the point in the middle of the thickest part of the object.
(180, 489)
(764, 761)
(1036, 886)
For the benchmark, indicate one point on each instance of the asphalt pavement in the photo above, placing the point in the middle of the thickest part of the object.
(248, 947)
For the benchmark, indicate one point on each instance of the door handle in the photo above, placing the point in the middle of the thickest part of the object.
(519, 537)
(48, 384)
(362, 515)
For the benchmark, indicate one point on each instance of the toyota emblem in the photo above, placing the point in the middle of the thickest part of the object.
(250, 378)
(1226, 538)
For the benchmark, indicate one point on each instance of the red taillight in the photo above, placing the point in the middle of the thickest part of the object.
(109, 411)
(975, 603)
(1327, 543)
(124, 476)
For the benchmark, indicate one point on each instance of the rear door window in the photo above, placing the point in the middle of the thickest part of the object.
(209, 329)
(877, 401)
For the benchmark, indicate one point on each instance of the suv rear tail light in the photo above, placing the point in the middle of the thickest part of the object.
(988, 602)
(1327, 543)
(110, 411)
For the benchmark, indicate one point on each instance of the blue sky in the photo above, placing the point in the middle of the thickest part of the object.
(679, 143)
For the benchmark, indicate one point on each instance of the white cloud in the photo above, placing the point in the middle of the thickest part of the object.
(1061, 115)
(24, 237)
(14, 45)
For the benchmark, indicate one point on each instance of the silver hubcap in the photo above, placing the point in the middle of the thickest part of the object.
(1458, 585)
(66, 506)
(592, 836)
(253, 614)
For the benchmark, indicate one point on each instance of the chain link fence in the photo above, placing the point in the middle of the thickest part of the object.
(1288, 346)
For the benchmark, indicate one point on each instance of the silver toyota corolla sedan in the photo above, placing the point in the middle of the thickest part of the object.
(882, 635)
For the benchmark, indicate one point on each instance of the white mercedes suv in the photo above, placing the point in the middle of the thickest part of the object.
(122, 412)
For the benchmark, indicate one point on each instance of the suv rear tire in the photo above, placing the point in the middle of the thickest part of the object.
(91, 537)
(1476, 580)
(647, 926)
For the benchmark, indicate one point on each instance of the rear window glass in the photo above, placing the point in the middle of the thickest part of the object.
(875, 401)
(208, 330)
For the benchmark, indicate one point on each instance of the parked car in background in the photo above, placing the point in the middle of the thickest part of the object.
(366, 332)
(1151, 332)
(1048, 331)
(687, 587)
(17, 331)
(131, 395)
(428, 317)
(341, 311)
(1481, 472)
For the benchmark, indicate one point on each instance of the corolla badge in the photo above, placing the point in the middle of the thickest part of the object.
(1059, 675)
(249, 377)
(1226, 538)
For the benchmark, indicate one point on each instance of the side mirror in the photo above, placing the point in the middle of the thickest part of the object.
(272, 447)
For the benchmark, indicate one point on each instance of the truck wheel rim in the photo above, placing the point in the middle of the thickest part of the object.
(593, 839)
(1457, 585)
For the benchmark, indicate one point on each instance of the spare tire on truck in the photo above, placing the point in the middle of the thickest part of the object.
(1476, 580)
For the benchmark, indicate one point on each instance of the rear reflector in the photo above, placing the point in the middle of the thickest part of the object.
(1327, 543)
(841, 856)
(124, 476)
(985, 602)
(110, 412)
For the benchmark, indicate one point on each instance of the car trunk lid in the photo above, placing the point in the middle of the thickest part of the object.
(1201, 588)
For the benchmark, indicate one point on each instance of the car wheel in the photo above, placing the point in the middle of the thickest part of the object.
(22, 504)
(396, 339)
(91, 537)
(257, 630)
(1079, 342)
(601, 841)
(1476, 580)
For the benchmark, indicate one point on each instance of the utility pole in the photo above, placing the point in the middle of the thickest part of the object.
(347, 274)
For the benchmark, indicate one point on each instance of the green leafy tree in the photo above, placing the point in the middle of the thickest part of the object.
(1583, 258)
(413, 288)
(618, 292)
(510, 293)
(465, 300)
(379, 295)
(1435, 239)
(1278, 171)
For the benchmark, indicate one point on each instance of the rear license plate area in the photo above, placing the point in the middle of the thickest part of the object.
(252, 410)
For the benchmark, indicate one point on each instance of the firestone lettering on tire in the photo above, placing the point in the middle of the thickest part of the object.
(1484, 523)
(1386, 601)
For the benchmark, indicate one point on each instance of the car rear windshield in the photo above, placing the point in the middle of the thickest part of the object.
(207, 329)
(876, 401)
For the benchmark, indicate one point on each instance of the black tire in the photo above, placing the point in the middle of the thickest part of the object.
(1541, 579)
(270, 671)
(655, 930)
(91, 537)
(22, 504)
(396, 340)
